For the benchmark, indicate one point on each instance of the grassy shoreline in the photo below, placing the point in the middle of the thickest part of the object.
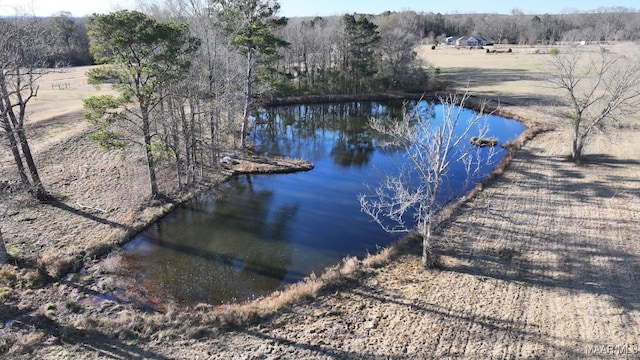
(539, 261)
(53, 266)
(349, 271)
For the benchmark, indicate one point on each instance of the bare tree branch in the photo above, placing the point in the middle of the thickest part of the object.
(411, 200)
(599, 87)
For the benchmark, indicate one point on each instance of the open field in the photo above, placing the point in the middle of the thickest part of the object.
(542, 263)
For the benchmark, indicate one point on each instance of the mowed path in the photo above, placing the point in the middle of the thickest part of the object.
(543, 263)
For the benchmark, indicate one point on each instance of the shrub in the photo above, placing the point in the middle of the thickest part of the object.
(554, 51)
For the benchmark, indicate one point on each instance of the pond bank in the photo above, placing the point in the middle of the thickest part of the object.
(259, 164)
(339, 98)
(109, 230)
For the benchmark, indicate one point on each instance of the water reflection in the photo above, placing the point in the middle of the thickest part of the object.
(217, 248)
(313, 131)
(257, 234)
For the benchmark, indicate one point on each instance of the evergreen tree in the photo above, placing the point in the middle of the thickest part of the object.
(252, 28)
(144, 56)
(362, 39)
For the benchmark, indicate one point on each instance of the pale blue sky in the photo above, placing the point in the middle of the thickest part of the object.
(291, 8)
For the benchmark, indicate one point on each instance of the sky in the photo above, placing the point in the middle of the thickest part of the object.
(292, 8)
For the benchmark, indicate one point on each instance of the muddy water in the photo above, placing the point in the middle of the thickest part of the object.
(257, 234)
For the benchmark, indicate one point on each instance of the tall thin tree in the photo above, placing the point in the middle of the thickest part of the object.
(252, 27)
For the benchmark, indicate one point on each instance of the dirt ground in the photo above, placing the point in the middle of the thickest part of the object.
(542, 263)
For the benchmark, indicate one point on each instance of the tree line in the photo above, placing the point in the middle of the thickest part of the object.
(188, 84)
(600, 25)
(309, 34)
(191, 74)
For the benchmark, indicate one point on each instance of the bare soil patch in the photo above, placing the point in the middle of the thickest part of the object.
(542, 263)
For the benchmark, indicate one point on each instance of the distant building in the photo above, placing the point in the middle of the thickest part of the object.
(450, 40)
(486, 41)
(467, 41)
(472, 41)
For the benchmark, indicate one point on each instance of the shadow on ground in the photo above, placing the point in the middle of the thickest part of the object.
(584, 233)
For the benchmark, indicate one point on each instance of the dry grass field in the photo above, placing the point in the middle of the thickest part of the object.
(542, 263)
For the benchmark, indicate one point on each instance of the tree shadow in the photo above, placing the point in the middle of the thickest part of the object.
(448, 314)
(87, 215)
(330, 352)
(10, 313)
(581, 267)
(569, 178)
(382, 297)
(95, 341)
(608, 161)
(581, 262)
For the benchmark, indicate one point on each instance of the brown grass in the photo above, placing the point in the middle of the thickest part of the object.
(540, 261)
(350, 270)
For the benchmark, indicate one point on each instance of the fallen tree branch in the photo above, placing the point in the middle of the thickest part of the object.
(3, 250)
(90, 207)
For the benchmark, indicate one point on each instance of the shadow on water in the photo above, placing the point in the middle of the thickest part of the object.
(254, 235)
(215, 249)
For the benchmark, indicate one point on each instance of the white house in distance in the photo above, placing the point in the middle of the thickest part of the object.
(486, 41)
(469, 41)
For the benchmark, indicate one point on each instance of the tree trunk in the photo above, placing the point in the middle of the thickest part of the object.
(426, 243)
(149, 155)
(426, 252)
(3, 251)
(576, 148)
(247, 100)
(13, 144)
(38, 189)
(11, 121)
(187, 138)
(214, 132)
(14, 128)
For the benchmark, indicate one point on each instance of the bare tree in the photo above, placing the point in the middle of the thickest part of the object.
(399, 67)
(598, 87)
(24, 49)
(411, 200)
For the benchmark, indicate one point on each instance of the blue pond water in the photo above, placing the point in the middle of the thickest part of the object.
(257, 234)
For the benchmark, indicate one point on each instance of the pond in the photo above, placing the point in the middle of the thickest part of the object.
(256, 234)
